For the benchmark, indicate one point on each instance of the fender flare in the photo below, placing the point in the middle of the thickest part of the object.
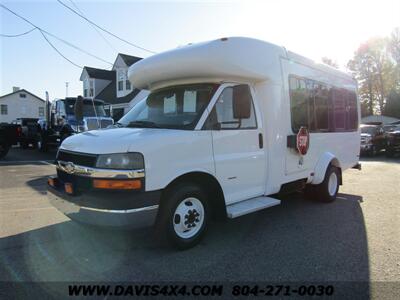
(325, 160)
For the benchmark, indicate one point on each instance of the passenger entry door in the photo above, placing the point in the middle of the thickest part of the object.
(238, 144)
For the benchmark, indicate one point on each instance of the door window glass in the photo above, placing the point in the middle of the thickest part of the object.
(224, 112)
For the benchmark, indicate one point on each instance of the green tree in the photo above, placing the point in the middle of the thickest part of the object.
(392, 108)
(373, 67)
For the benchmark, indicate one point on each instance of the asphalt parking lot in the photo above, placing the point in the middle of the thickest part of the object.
(355, 239)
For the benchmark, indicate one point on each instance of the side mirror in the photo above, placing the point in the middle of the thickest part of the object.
(241, 102)
(78, 109)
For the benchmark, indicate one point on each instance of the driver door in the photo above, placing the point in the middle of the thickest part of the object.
(238, 151)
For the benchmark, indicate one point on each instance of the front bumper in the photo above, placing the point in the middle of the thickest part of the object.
(74, 208)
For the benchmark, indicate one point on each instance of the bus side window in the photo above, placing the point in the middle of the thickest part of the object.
(298, 103)
(352, 110)
(339, 109)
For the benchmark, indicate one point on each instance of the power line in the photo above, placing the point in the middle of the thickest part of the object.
(103, 29)
(77, 48)
(42, 31)
(17, 35)
(95, 28)
(47, 40)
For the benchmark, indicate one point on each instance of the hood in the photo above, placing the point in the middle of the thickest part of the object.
(120, 140)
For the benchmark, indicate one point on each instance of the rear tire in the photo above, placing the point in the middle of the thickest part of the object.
(373, 152)
(4, 147)
(389, 152)
(327, 190)
(42, 143)
(183, 216)
(24, 145)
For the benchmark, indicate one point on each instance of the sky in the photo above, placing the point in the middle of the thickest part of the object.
(312, 28)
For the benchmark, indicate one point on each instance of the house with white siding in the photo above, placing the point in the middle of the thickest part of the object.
(20, 104)
(112, 86)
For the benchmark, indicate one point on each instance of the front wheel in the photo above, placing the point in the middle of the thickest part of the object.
(183, 216)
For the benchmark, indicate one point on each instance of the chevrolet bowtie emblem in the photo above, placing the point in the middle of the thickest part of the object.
(68, 167)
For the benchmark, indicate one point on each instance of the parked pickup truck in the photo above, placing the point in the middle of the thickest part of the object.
(393, 141)
(29, 132)
(9, 134)
(373, 139)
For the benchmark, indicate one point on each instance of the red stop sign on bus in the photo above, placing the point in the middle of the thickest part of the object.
(303, 140)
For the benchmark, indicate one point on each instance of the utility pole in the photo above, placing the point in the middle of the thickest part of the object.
(66, 89)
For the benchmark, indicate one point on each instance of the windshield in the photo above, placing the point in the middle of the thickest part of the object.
(177, 107)
(88, 110)
(368, 129)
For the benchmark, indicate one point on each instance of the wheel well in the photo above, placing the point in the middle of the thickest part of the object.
(210, 185)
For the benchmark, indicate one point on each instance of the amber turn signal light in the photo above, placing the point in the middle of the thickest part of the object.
(117, 184)
(69, 188)
(50, 181)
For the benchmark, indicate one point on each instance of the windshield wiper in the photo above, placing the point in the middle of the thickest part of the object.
(143, 124)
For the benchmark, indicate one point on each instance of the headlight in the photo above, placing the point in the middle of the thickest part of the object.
(122, 161)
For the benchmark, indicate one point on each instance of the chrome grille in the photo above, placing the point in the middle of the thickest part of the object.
(81, 159)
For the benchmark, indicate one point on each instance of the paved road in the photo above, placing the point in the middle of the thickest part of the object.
(357, 238)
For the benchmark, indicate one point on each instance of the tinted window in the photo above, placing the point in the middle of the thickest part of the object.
(298, 102)
(321, 107)
(224, 111)
(339, 109)
(321, 101)
(352, 110)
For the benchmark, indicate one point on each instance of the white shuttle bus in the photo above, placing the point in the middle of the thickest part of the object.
(227, 125)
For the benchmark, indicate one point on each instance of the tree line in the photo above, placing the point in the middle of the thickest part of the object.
(376, 66)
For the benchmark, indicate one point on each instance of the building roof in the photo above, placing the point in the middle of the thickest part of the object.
(25, 91)
(129, 59)
(100, 73)
(109, 94)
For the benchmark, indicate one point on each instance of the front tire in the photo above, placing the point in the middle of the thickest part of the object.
(373, 152)
(183, 216)
(327, 190)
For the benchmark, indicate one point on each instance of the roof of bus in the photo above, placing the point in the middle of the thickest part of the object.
(234, 58)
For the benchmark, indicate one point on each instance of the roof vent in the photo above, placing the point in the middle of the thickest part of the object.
(224, 39)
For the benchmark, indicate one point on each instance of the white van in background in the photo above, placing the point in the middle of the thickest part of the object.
(227, 124)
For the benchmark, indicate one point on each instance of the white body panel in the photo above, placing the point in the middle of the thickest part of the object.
(233, 157)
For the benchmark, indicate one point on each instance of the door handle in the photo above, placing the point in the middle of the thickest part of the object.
(260, 140)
